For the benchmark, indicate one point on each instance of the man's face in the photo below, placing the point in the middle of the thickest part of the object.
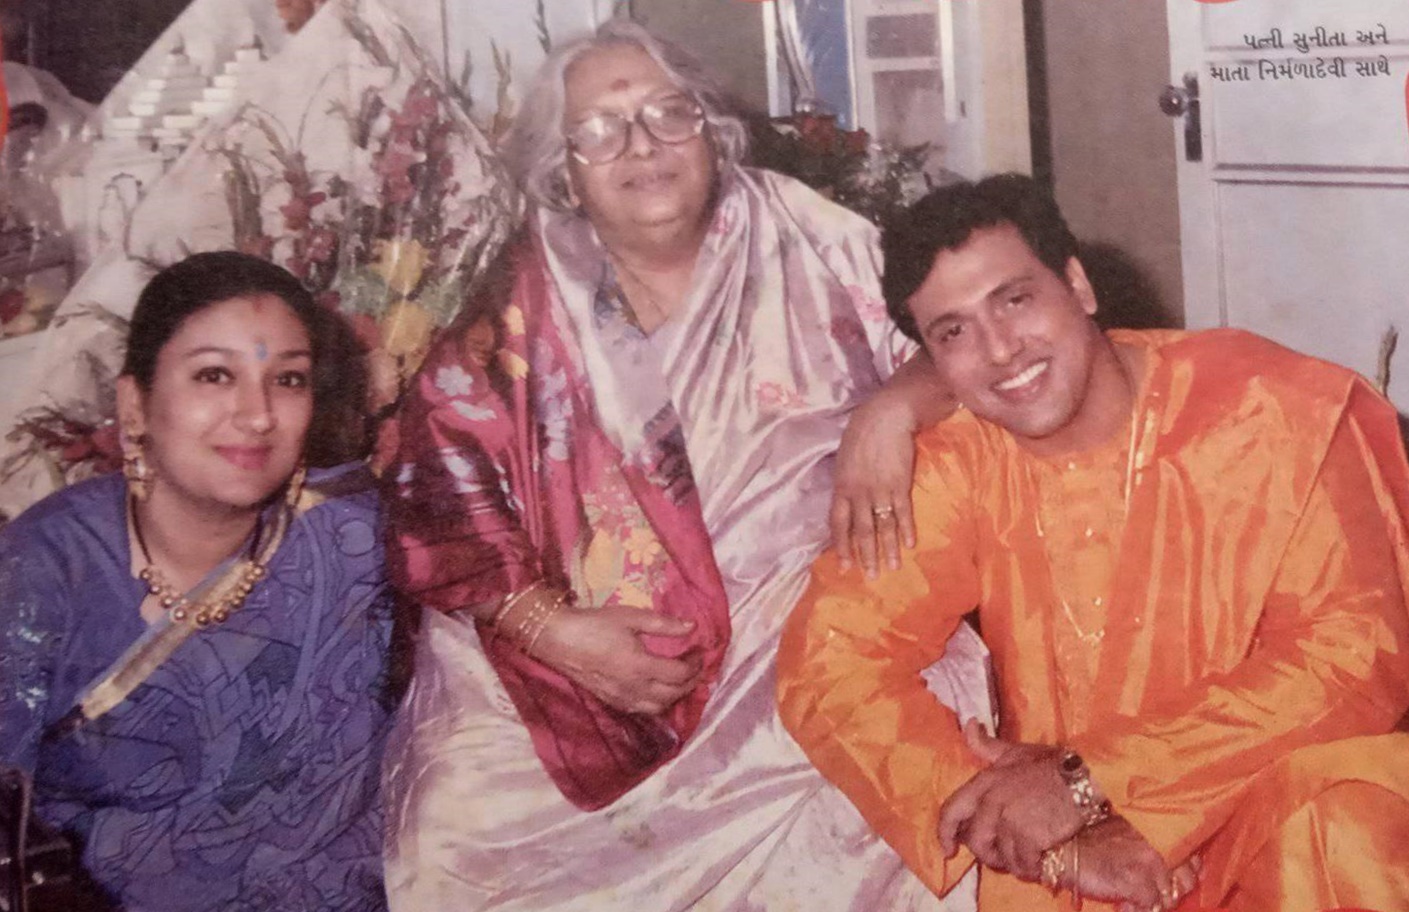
(1014, 340)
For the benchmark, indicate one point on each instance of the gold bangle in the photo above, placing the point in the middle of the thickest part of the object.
(1076, 872)
(543, 625)
(511, 600)
(542, 613)
(1053, 867)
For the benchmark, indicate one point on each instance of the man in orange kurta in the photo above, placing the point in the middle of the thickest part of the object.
(1188, 552)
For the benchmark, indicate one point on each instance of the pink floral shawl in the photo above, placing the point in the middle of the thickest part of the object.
(514, 468)
(502, 471)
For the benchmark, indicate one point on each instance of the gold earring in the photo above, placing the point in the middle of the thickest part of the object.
(295, 488)
(139, 475)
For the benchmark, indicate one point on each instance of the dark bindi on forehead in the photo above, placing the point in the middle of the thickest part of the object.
(620, 85)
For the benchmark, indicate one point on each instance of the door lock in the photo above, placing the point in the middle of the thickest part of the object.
(1183, 101)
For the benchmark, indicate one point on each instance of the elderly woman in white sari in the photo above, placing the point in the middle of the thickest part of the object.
(613, 476)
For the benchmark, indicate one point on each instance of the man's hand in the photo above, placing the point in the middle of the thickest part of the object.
(601, 650)
(1012, 812)
(1117, 865)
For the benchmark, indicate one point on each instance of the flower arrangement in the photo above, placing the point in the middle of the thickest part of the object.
(395, 247)
(372, 185)
(77, 437)
(873, 179)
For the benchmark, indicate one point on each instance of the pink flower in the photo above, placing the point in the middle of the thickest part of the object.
(394, 166)
(11, 304)
(297, 210)
(869, 307)
(366, 330)
(322, 244)
(849, 333)
(776, 395)
(818, 131)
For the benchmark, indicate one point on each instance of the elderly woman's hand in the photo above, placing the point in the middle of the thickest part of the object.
(601, 649)
(871, 513)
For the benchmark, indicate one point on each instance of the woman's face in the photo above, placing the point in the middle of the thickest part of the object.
(652, 186)
(224, 422)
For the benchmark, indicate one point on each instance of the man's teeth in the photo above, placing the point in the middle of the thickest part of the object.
(1026, 377)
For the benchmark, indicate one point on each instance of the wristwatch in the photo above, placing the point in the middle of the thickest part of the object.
(1077, 776)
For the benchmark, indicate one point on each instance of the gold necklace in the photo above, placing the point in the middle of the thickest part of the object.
(230, 591)
(1090, 638)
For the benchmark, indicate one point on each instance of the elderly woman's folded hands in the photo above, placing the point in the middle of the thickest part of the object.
(601, 649)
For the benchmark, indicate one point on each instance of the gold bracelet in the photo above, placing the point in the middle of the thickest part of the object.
(1053, 867)
(510, 601)
(1076, 872)
(547, 615)
(529, 626)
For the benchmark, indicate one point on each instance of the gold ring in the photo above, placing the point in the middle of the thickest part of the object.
(883, 512)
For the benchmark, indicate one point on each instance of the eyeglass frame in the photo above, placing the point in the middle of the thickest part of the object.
(636, 120)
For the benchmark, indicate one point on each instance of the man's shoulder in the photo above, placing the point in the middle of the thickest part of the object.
(821, 219)
(1225, 382)
(1229, 359)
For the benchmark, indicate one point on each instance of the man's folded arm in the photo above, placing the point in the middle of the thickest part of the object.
(1330, 661)
(850, 689)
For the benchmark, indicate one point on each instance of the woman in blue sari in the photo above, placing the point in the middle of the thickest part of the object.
(194, 653)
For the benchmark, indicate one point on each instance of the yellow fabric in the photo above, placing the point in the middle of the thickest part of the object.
(1254, 610)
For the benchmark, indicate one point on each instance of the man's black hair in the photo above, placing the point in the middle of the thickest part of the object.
(946, 218)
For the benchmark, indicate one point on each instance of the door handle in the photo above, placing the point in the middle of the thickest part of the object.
(1177, 101)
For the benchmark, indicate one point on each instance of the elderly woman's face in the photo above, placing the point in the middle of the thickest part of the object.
(652, 185)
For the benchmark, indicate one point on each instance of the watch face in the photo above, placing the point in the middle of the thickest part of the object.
(1071, 764)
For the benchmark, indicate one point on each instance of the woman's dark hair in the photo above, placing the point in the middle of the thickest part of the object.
(947, 217)
(204, 279)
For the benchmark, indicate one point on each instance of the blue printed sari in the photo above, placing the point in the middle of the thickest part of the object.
(242, 774)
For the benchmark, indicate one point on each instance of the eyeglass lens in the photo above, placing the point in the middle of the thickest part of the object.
(604, 137)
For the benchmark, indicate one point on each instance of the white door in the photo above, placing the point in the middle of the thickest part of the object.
(1295, 218)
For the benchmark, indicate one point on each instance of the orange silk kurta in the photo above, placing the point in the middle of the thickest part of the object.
(1250, 608)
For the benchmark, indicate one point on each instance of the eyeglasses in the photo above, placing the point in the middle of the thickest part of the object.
(602, 138)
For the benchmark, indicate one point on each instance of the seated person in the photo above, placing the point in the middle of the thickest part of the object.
(195, 651)
(1188, 554)
(613, 477)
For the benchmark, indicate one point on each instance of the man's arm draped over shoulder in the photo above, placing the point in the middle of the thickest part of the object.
(850, 689)
(1331, 658)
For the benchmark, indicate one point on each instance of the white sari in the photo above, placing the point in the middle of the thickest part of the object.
(784, 334)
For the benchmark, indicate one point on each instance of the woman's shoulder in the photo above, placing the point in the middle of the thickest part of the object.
(817, 215)
(93, 505)
(342, 504)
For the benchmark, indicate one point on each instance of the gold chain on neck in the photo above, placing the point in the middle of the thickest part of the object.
(1094, 637)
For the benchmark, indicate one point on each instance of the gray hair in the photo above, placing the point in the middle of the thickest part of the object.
(535, 148)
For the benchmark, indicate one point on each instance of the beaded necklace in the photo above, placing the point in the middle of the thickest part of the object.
(231, 591)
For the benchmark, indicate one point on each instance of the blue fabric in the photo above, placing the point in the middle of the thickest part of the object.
(243, 774)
